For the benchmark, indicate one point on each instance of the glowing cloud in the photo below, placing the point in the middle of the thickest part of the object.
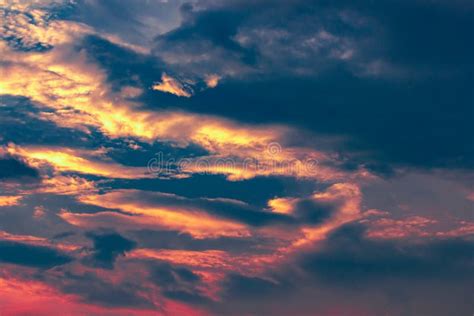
(170, 85)
(70, 160)
(212, 80)
(347, 197)
(173, 216)
(10, 200)
(81, 99)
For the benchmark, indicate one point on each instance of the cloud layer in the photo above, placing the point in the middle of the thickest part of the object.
(236, 157)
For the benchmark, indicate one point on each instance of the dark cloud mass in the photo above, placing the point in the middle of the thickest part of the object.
(350, 263)
(107, 247)
(30, 255)
(237, 157)
(11, 168)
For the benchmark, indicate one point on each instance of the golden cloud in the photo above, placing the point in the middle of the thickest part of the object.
(170, 85)
(73, 160)
(10, 200)
(194, 221)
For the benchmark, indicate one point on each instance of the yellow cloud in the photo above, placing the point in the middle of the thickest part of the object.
(174, 217)
(64, 79)
(70, 160)
(170, 85)
(10, 200)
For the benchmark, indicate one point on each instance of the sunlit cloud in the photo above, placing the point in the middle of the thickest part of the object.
(157, 205)
(23, 297)
(282, 205)
(10, 200)
(347, 197)
(31, 26)
(413, 226)
(416, 227)
(170, 85)
(144, 214)
(216, 261)
(212, 80)
(38, 241)
(81, 98)
(66, 185)
(71, 160)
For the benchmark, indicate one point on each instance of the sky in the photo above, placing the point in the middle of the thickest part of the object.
(238, 157)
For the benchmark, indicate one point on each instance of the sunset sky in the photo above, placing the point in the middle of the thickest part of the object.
(237, 157)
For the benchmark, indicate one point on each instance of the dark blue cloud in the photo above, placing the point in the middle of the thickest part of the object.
(350, 258)
(256, 191)
(21, 124)
(107, 247)
(168, 239)
(31, 256)
(369, 273)
(91, 288)
(136, 21)
(177, 283)
(414, 109)
(12, 168)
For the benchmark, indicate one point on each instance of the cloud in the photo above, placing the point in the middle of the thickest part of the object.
(13, 169)
(147, 202)
(170, 85)
(6, 200)
(407, 227)
(31, 256)
(33, 27)
(66, 185)
(20, 295)
(369, 272)
(178, 283)
(139, 213)
(95, 290)
(240, 224)
(212, 80)
(107, 247)
(135, 22)
(349, 255)
(33, 241)
(73, 160)
(81, 98)
(233, 40)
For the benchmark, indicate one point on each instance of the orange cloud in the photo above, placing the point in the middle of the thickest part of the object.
(66, 185)
(282, 205)
(347, 197)
(212, 80)
(37, 241)
(80, 96)
(208, 229)
(64, 79)
(416, 226)
(10, 200)
(413, 226)
(215, 261)
(170, 85)
(72, 160)
(27, 297)
(196, 221)
(31, 23)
